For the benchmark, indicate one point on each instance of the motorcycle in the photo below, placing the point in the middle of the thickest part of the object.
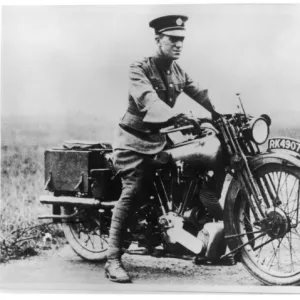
(261, 210)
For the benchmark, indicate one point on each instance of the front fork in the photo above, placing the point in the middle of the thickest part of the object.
(241, 168)
(254, 196)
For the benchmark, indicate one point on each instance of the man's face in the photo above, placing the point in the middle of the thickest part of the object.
(171, 46)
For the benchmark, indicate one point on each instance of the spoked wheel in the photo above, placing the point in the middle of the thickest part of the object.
(272, 246)
(87, 232)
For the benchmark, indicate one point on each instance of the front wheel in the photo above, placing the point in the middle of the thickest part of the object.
(87, 232)
(271, 246)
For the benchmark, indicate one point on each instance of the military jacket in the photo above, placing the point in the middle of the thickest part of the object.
(154, 85)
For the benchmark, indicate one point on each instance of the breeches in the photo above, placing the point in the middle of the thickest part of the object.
(134, 170)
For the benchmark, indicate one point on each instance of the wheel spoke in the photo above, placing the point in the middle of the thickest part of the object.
(291, 249)
(295, 181)
(260, 249)
(285, 206)
(91, 240)
(278, 260)
(278, 184)
(274, 254)
(297, 236)
(280, 192)
(297, 232)
(295, 211)
(295, 255)
(263, 244)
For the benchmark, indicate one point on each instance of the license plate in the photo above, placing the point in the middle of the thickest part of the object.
(285, 144)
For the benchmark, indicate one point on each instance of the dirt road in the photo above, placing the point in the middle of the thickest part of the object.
(63, 270)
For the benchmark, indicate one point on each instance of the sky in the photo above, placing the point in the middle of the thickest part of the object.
(60, 60)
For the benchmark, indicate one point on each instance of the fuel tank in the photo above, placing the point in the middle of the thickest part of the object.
(204, 152)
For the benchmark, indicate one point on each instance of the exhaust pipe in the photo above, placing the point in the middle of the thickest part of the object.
(76, 201)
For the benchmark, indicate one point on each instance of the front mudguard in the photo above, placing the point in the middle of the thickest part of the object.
(271, 157)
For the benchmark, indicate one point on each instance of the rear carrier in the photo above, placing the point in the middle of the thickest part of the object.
(80, 173)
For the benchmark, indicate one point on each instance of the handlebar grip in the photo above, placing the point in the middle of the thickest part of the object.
(174, 129)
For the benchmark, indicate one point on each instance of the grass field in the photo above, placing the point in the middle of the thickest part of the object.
(24, 140)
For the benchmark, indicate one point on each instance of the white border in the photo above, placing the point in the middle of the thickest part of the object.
(140, 2)
(255, 291)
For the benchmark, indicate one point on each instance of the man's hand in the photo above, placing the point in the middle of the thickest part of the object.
(181, 120)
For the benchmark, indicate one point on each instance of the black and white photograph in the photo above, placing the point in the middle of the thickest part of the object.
(150, 148)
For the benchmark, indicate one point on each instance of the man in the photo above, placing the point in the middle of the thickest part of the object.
(155, 84)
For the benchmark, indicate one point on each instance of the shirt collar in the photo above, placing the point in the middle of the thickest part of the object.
(161, 61)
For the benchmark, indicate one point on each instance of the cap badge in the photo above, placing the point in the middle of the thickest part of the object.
(179, 22)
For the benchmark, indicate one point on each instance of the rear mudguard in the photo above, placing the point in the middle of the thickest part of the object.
(274, 156)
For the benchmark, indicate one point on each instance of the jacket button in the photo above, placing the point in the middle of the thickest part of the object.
(170, 99)
(169, 72)
(170, 85)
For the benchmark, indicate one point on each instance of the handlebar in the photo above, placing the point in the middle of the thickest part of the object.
(171, 129)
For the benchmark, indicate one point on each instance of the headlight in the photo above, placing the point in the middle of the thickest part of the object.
(259, 130)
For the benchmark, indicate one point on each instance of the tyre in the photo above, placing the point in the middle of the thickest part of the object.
(272, 246)
(87, 233)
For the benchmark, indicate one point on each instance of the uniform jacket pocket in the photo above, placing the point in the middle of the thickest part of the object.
(160, 89)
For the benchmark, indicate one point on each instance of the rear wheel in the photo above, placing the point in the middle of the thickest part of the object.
(272, 246)
(87, 232)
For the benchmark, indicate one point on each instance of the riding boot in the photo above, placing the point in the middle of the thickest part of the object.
(114, 268)
(115, 271)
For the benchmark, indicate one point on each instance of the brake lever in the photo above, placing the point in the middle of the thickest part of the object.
(174, 129)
